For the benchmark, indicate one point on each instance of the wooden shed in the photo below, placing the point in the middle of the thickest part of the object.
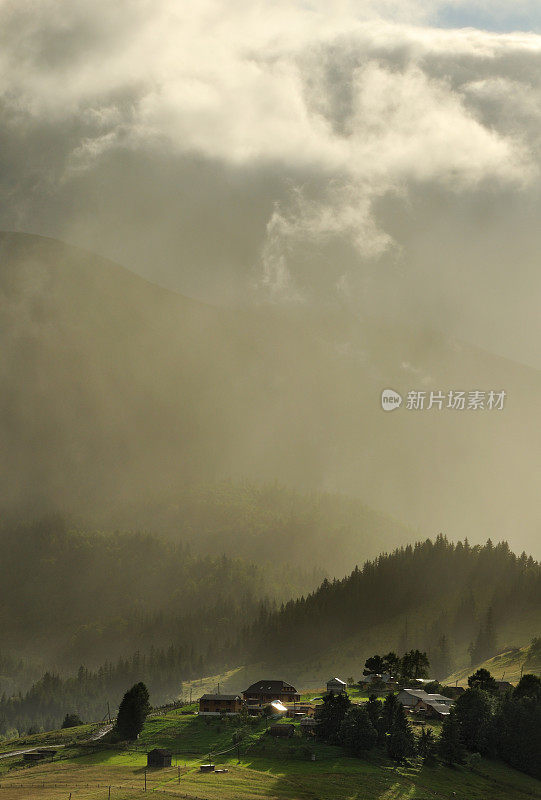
(159, 758)
(286, 730)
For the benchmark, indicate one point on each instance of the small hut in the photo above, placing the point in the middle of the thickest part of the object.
(286, 730)
(159, 758)
(39, 754)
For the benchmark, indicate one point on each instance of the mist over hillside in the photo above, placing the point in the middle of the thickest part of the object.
(117, 394)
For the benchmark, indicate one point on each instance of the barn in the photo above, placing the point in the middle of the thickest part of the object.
(159, 758)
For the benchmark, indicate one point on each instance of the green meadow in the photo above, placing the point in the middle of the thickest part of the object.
(268, 768)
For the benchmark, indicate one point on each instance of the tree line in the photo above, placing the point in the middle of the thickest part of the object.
(436, 596)
(482, 722)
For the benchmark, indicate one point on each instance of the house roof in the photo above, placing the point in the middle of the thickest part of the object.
(336, 680)
(441, 708)
(160, 751)
(271, 686)
(220, 697)
(426, 696)
(415, 692)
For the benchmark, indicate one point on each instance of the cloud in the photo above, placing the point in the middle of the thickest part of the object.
(297, 148)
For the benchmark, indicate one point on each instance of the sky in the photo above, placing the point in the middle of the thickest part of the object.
(383, 155)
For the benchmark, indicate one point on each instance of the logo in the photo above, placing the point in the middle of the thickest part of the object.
(390, 400)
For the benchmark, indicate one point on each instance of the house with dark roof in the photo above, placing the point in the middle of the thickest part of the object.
(336, 686)
(264, 692)
(217, 704)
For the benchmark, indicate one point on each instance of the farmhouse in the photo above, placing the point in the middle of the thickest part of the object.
(217, 704)
(336, 686)
(377, 677)
(434, 705)
(264, 692)
(159, 758)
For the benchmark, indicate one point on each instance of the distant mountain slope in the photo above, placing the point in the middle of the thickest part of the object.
(114, 394)
(259, 523)
(434, 596)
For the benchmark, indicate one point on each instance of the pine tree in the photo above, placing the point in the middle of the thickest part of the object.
(485, 643)
(450, 745)
(474, 710)
(374, 708)
(427, 745)
(356, 732)
(400, 740)
(132, 712)
(330, 715)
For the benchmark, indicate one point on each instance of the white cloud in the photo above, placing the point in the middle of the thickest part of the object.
(353, 103)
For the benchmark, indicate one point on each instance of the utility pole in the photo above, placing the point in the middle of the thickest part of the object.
(108, 711)
(145, 780)
(190, 695)
(179, 774)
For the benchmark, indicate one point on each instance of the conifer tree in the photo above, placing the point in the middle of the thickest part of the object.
(400, 739)
(450, 746)
(132, 712)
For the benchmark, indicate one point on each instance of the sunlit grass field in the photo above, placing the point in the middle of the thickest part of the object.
(268, 768)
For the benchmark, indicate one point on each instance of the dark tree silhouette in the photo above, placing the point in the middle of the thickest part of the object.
(72, 721)
(132, 712)
(400, 739)
(482, 679)
(450, 746)
(357, 733)
(528, 686)
(330, 715)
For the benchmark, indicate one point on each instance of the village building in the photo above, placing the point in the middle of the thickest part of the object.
(39, 754)
(287, 730)
(277, 709)
(301, 710)
(377, 677)
(336, 686)
(431, 704)
(159, 757)
(504, 686)
(218, 704)
(264, 692)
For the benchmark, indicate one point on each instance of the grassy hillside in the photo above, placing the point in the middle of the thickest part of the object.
(115, 394)
(276, 770)
(507, 665)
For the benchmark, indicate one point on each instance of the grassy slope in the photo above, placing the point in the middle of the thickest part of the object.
(507, 665)
(267, 769)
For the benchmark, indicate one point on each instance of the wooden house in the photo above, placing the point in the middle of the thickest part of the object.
(336, 686)
(159, 758)
(218, 704)
(264, 692)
